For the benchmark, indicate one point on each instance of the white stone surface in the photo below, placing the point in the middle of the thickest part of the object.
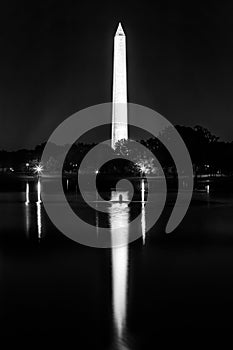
(119, 99)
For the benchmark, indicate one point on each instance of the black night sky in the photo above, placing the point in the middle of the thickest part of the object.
(56, 58)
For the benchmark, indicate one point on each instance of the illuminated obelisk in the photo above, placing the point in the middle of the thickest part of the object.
(119, 95)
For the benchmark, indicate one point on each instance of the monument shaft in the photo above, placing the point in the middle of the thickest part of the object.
(119, 98)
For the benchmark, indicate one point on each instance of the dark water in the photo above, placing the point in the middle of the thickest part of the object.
(162, 291)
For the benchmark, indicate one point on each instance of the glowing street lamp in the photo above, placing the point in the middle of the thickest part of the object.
(143, 168)
(38, 169)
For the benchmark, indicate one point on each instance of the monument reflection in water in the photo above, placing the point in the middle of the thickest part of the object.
(119, 218)
(119, 224)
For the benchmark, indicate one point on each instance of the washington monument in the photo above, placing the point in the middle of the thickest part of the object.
(119, 94)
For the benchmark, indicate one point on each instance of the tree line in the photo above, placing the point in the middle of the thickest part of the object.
(207, 152)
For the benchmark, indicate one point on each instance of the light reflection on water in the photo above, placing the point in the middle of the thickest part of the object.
(28, 209)
(27, 212)
(143, 212)
(38, 191)
(38, 206)
(143, 191)
(143, 223)
(39, 226)
(27, 219)
(27, 201)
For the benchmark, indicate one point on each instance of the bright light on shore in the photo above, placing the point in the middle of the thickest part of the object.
(143, 168)
(38, 169)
